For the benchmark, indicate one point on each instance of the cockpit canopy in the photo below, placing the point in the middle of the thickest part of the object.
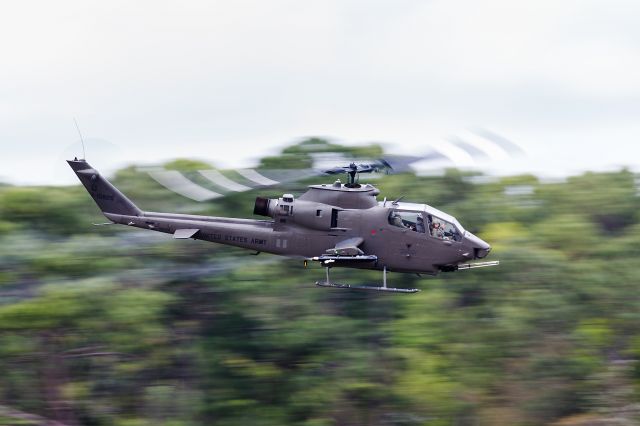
(425, 219)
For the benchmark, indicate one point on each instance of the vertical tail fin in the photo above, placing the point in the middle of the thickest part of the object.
(106, 196)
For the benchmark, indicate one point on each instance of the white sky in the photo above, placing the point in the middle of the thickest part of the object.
(230, 81)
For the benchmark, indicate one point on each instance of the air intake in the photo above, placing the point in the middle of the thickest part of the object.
(261, 208)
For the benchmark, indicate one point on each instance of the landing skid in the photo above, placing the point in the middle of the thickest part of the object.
(367, 287)
(384, 287)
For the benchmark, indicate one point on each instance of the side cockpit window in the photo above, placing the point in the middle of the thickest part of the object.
(407, 220)
(440, 228)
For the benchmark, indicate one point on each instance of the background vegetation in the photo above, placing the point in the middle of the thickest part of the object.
(116, 326)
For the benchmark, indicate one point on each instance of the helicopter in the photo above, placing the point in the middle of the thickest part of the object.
(335, 225)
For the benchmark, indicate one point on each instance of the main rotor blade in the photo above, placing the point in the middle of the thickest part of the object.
(459, 151)
(178, 183)
(256, 177)
(462, 151)
(221, 180)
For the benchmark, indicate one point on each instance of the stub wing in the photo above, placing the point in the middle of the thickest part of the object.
(345, 252)
(348, 247)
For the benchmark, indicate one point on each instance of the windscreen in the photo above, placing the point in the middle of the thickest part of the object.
(442, 229)
(411, 220)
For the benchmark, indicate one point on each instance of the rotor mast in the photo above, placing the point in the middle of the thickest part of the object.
(353, 170)
(352, 173)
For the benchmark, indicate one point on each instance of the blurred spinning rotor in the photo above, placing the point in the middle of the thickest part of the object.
(459, 151)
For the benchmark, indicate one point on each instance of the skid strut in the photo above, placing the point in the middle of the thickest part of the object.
(384, 287)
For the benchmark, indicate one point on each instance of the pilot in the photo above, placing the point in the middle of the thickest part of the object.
(437, 230)
(420, 224)
(396, 220)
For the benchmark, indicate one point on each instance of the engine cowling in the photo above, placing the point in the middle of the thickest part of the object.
(305, 213)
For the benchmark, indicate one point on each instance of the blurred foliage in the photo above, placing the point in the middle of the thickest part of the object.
(117, 326)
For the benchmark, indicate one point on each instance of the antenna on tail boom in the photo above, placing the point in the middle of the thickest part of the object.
(84, 155)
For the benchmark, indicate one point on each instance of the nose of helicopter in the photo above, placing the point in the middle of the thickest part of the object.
(480, 248)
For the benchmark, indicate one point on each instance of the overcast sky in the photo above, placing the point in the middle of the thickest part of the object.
(230, 81)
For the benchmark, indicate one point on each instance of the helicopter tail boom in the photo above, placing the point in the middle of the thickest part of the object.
(105, 195)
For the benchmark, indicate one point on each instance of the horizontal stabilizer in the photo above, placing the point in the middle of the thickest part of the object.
(183, 234)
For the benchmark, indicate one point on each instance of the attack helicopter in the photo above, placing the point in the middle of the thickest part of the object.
(334, 224)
